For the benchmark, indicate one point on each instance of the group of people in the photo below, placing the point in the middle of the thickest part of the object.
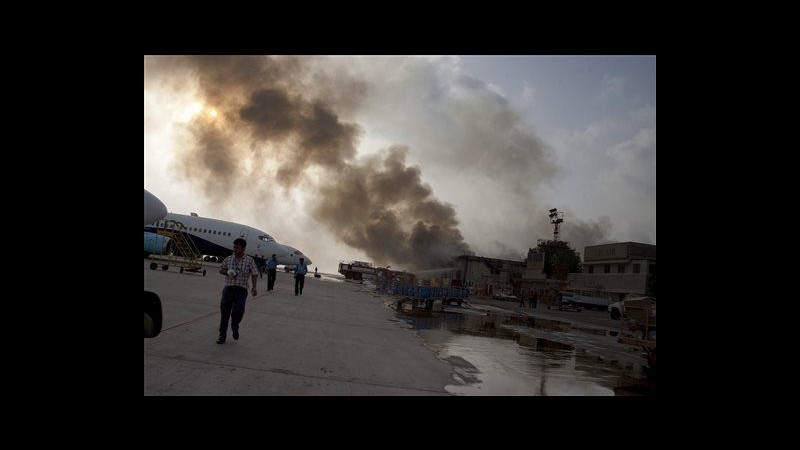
(533, 301)
(239, 269)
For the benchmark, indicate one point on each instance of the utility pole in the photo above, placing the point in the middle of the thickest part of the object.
(556, 218)
(559, 259)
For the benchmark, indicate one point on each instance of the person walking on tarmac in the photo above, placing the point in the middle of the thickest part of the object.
(300, 277)
(534, 300)
(272, 269)
(236, 268)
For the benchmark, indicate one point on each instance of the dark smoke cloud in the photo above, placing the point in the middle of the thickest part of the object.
(453, 120)
(580, 233)
(210, 155)
(311, 132)
(382, 206)
(457, 125)
(274, 117)
(503, 251)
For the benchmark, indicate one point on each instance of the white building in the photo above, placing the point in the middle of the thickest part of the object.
(621, 268)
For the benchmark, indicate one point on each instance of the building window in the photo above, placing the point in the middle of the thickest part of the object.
(636, 268)
(607, 268)
(651, 268)
(591, 269)
(620, 268)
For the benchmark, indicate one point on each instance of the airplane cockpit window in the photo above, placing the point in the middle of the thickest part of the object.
(266, 238)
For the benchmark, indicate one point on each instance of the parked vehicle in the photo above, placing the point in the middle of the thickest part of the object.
(567, 302)
(590, 298)
(355, 270)
(638, 323)
(502, 296)
(616, 309)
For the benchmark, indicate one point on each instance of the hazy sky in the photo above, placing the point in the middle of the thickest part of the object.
(407, 160)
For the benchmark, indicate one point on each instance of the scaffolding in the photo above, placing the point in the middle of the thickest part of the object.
(181, 251)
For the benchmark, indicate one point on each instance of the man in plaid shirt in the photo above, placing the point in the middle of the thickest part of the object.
(236, 269)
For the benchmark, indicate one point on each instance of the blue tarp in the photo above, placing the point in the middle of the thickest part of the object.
(428, 292)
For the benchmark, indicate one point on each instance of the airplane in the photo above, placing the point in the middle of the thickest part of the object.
(155, 244)
(215, 237)
(296, 255)
(154, 210)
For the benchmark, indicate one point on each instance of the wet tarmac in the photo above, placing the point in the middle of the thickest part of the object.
(341, 338)
(498, 349)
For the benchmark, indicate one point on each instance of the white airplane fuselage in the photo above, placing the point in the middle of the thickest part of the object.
(215, 237)
(295, 255)
(154, 208)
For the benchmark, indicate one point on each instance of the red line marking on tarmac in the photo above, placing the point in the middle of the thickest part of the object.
(199, 318)
(190, 321)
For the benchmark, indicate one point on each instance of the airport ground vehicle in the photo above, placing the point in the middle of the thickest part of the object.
(615, 309)
(567, 302)
(637, 321)
(355, 270)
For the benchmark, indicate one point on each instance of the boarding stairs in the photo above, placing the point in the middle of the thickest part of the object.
(184, 252)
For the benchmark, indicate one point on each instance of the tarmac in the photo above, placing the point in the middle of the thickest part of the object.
(338, 338)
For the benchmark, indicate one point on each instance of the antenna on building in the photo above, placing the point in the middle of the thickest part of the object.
(556, 218)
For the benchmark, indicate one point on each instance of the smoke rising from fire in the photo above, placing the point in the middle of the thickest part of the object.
(277, 124)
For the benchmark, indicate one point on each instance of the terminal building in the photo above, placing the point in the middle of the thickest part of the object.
(609, 270)
(490, 276)
(620, 268)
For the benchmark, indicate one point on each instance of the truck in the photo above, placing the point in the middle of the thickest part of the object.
(638, 322)
(355, 270)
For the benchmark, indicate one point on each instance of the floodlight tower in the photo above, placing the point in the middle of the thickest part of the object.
(556, 218)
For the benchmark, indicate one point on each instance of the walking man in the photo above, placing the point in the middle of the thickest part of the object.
(534, 301)
(236, 268)
(272, 269)
(300, 277)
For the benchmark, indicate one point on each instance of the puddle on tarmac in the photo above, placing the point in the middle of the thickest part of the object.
(501, 353)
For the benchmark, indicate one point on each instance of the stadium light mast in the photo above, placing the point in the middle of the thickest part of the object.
(556, 218)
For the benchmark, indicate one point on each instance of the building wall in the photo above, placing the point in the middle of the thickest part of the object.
(485, 276)
(598, 268)
(618, 283)
(619, 255)
(619, 251)
(488, 275)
